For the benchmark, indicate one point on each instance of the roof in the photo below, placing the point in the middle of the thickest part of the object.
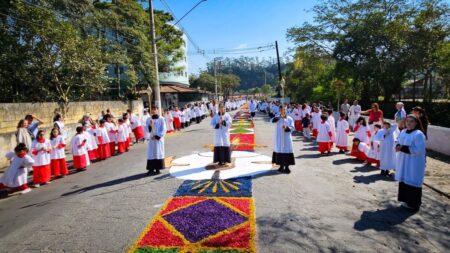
(177, 88)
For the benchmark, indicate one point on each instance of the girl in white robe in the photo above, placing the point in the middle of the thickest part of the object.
(110, 127)
(332, 122)
(104, 151)
(144, 119)
(169, 121)
(78, 150)
(324, 135)
(315, 119)
(387, 148)
(342, 132)
(122, 137)
(15, 177)
(410, 165)
(283, 154)
(59, 123)
(221, 122)
(40, 150)
(374, 152)
(362, 131)
(157, 128)
(359, 150)
(57, 154)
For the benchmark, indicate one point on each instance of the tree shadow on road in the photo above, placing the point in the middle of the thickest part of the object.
(382, 220)
(371, 179)
(106, 184)
(309, 156)
(346, 160)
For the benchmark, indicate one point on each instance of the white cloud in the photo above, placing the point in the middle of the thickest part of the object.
(242, 46)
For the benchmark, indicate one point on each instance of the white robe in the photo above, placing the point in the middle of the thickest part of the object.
(62, 131)
(111, 131)
(168, 119)
(332, 123)
(122, 133)
(387, 148)
(283, 140)
(17, 173)
(410, 168)
(221, 135)
(324, 130)
(42, 157)
(57, 152)
(341, 133)
(102, 135)
(156, 147)
(144, 119)
(315, 119)
(253, 106)
(134, 121)
(374, 152)
(362, 134)
(77, 140)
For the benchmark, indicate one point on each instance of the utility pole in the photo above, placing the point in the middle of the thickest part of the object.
(279, 71)
(156, 89)
(215, 80)
(265, 78)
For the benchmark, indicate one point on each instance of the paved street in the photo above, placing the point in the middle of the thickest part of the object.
(327, 204)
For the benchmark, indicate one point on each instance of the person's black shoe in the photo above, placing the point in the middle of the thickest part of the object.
(287, 170)
(341, 151)
(281, 169)
(149, 173)
(382, 173)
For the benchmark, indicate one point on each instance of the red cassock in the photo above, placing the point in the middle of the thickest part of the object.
(177, 123)
(112, 147)
(79, 161)
(298, 125)
(324, 147)
(104, 151)
(93, 154)
(42, 174)
(138, 132)
(315, 132)
(59, 167)
(358, 154)
(122, 146)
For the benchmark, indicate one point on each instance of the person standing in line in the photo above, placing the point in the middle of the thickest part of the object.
(306, 122)
(342, 133)
(40, 150)
(58, 122)
(221, 122)
(283, 154)
(104, 151)
(78, 150)
(110, 127)
(387, 148)
(136, 126)
(345, 107)
(57, 154)
(354, 113)
(156, 151)
(145, 117)
(410, 165)
(324, 135)
(176, 115)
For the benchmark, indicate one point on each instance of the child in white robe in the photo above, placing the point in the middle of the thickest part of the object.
(342, 133)
(15, 177)
(362, 131)
(374, 152)
(324, 135)
(122, 137)
(57, 154)
(332, 123)
(78, 150)
(410, 165)
(387, 148)
(103, 141)
(169, 121)
(40, 150)
(359, 150)
(109, 125)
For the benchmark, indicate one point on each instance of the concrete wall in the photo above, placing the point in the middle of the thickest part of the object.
(11, 113)
(439, 139)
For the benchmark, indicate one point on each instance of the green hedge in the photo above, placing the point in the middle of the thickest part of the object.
(438, 113)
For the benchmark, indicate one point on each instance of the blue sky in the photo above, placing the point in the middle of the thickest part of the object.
(232, 24)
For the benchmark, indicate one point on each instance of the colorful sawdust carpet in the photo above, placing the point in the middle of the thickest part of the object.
(189, 222)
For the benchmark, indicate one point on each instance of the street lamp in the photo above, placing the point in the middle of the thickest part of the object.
(156, 89)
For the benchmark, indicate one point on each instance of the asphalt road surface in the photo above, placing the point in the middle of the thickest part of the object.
(327, 204)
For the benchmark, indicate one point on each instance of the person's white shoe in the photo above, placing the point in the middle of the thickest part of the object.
(25, 191)
(36, 185)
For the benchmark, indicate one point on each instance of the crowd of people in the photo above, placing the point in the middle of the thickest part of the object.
(391, 146)
(95, 139)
